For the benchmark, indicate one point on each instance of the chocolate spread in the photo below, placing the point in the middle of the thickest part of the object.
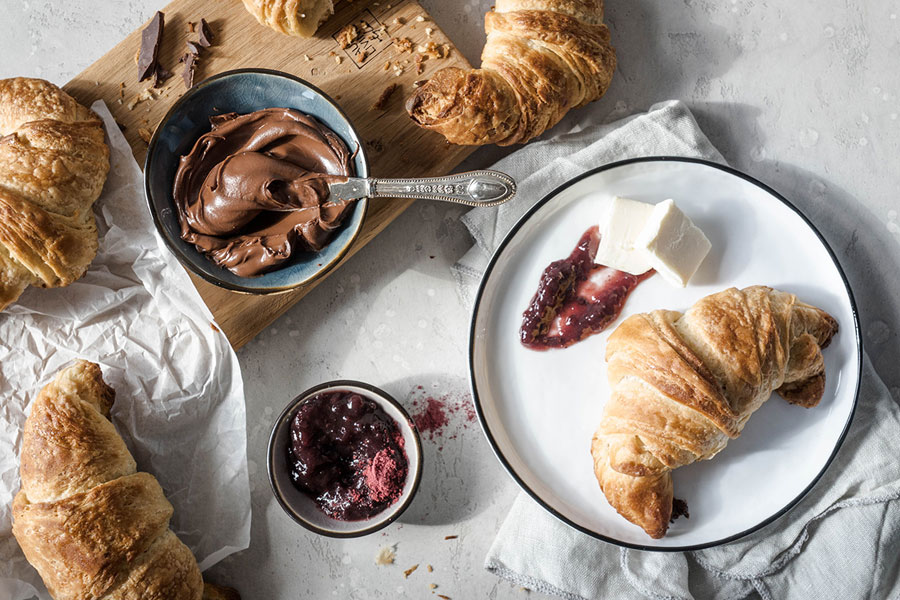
(254, 190)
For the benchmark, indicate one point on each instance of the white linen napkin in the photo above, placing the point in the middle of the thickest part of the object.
(179, 394)
(840, 541)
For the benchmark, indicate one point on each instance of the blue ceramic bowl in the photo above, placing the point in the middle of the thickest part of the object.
(244, 91)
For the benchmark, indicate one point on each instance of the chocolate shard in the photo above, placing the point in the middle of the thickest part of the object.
(151, 37)
(160, 75)
(189, 67)
(206, 34)
(192, 48)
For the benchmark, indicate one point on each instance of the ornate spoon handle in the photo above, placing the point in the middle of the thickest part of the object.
(474, 188)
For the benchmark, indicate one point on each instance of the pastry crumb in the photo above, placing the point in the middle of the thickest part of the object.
(347, 36)
(145, 134)
(385, 96)
(410, 571)
(385, 556)
(403, 44)
(147, 94)
(450, 537)
(429, 568)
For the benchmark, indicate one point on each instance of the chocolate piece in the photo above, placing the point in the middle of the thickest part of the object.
(254, 190)
(192, 48)
(679, 509)
(151, 37)
(206, 34)
(188, 72)
(382, 101)
(160, 75)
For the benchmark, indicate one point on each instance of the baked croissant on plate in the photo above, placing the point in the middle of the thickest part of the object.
(53, 163)
(682, 385)
(92, 525)
(541, 59)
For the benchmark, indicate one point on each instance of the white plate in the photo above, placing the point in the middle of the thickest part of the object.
(539, 409)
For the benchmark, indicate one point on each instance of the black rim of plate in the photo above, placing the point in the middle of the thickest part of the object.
(173, 246)
(477, 399)
(283, 421)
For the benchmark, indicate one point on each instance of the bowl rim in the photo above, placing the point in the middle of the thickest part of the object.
(173, 247)
(284, 420)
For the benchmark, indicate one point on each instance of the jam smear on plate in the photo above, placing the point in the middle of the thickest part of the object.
(576, 298)
(347, 454)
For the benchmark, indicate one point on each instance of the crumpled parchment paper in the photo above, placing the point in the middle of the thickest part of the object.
(179, 395)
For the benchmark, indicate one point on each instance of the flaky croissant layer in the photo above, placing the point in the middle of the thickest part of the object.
(682, 385)
(541, 59)
(92, 525)
(53, 163)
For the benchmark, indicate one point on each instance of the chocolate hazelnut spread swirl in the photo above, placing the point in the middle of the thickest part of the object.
(254, 190)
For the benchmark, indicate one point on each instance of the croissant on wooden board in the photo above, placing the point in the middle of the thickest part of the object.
(682, 385)
(291, 17)
(92, 525)
(541, 59)
(53, 163)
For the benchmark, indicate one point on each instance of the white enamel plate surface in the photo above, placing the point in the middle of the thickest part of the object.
(539, 409)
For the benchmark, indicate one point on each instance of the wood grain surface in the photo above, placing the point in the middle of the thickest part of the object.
(354, 76)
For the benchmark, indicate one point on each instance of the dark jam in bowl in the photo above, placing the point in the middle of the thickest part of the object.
(347, 454)
(576, 298)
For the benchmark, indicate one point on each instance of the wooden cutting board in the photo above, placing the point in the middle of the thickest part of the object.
(354, 76)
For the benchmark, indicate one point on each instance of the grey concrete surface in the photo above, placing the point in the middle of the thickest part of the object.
(801, 94)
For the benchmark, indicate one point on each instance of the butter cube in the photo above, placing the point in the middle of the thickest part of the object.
(672, 244)
(620, 226)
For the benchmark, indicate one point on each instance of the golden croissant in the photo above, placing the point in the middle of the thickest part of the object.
(92, 525)
(541, 59)
(53, 163)
(292, 17)
(682, 385)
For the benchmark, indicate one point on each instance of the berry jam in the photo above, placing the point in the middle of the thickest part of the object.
(576, 298)
(347, 454)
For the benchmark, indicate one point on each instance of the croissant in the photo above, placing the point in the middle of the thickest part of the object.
(292, 17)
(53, 163)
(541, 59)
(89, 522)
(682, 385)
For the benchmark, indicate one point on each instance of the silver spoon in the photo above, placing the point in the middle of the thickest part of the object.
(473, 188)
